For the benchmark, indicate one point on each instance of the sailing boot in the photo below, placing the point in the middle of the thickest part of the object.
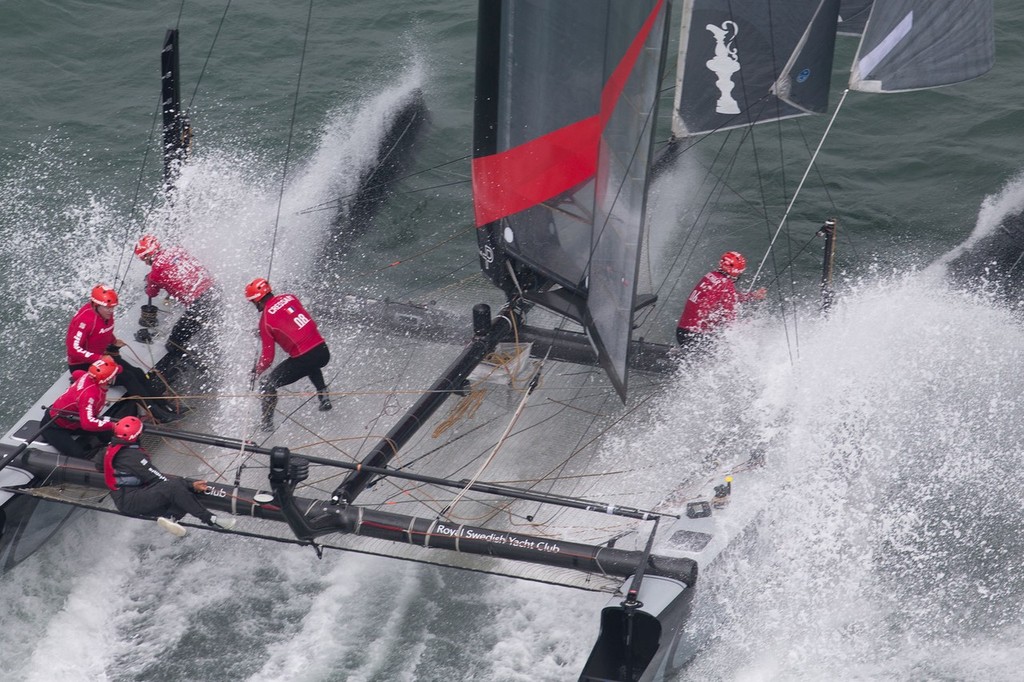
(267, 406)
(171, 526)
(226, 523)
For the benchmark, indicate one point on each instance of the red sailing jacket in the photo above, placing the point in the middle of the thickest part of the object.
(88, 335)
(85, 397)
(711, 303)
(286, 322)
(182, 276)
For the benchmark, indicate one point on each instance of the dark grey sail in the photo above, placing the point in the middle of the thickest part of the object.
(807, 75)
(853, 15)
(731, 55)
(915, 44)
(564, 121)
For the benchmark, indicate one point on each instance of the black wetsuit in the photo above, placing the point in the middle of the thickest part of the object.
(143, 491)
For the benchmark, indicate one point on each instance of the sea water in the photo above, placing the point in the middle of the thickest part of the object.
(892, 427)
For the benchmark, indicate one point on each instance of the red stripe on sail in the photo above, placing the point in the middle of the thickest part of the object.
(533, 172)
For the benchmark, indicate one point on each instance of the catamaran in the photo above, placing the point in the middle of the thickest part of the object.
(507, 462)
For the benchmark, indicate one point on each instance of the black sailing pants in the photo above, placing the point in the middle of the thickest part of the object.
(173, 497)
(75, 442)
(199, 314)
(291, 370)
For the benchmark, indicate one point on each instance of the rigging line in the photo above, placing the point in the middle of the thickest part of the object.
(807, 171)
(792, 261)
(789, 208)
(334, 203)
(209, 54)
(585, 445)
(429, 249)
(444, 276)
(501, 441)
(135, 201)
(720, 186)
(701, 218)
(835, 209)
(766, 219)
(291, 134)
(554, 475)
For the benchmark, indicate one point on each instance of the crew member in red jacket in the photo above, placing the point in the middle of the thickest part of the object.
(91, 335)
(284, 321)
(712, 303)
(186, 280)
(76, 413)
(140, 489)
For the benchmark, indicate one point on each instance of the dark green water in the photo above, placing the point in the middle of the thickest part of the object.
(909, 383)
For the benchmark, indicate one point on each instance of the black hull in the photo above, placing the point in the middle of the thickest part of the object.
(393, 159)
(995, 263)
(26, 524)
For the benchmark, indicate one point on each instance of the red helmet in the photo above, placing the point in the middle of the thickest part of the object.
(103, 295)
(104, 369)
(128, 428)
(733, 263)
(147, 246)
(257, 289)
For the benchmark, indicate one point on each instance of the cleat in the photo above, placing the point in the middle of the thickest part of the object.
(171, 526)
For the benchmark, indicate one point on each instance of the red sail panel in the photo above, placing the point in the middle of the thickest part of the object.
(533, 172)
(537, 170)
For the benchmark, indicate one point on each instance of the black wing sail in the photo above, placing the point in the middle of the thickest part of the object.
(564, 121)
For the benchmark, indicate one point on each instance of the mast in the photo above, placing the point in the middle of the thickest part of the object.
(177, 137)
(485, 132)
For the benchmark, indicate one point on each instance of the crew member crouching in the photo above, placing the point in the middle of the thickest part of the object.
(74, 420)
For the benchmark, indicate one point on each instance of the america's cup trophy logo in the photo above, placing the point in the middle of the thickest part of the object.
(724, 64)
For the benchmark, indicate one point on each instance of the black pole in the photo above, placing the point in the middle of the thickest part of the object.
(312, 521)
(486, 98)
(479, 486)
(177, 138)
(11, 456)
(828, 231)
(487, 334)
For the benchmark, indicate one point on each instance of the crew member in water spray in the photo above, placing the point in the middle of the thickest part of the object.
(284, 321)
(187, 281)
(712, 303)
(91, 335)
(140, 489)
(75, 415)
